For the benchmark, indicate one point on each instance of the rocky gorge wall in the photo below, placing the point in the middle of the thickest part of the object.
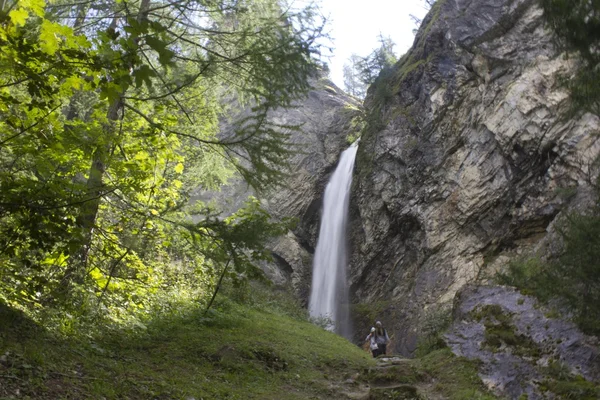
(466, 161)
(327, 117)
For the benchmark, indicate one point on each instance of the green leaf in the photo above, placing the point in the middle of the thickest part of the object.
(155, 43)
(18, 16)
(143, 74)
(49, 39)
(37, 6)
(165, 57)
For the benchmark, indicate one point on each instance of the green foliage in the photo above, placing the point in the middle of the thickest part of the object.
(574, 277)
(566, 385)
(234, 352)
(360, 72)
(579, 270)
(110, 116)
(357, 124)
(434, 325)
(527, 275)
(265, 297)
(366, 314)
(577, 26)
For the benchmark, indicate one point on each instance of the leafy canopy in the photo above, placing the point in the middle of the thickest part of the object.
(110, 116)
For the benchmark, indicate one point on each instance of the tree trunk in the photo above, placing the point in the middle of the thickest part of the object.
(88, 211)
(76, 269)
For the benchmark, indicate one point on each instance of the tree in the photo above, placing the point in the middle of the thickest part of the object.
(362, 71)
(109, 109)
(577, 27)
(352, 80)
(417, 21)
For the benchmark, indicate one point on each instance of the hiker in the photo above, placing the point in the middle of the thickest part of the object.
(381, 338)
(372, 344)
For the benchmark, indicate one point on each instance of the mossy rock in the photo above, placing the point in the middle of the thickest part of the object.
(499, 332)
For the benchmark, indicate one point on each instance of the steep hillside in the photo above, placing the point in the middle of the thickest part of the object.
(265, 350)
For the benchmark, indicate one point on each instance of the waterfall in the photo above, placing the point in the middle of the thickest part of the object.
(329, 290)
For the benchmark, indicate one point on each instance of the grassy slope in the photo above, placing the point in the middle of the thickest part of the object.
(263, 351)
(236, 352)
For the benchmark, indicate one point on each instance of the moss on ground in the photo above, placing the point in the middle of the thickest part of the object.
(401, 392)
(406, 373)
(456, 378)
(565, 385)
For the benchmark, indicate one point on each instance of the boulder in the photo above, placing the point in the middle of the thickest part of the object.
(522, 348)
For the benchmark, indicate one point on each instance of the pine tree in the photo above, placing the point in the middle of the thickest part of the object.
(352, 79)
(577, 27)
(360, 72)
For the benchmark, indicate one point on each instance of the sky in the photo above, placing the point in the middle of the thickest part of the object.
(355, 25)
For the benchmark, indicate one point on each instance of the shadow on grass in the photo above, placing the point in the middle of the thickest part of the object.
(231, 352)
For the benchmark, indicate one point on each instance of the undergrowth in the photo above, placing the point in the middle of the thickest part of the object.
(265, 349)
(435, 323)
(456, 378)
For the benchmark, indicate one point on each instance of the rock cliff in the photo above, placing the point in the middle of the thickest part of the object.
(466, 161)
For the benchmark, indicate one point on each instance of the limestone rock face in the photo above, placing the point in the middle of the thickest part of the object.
(466, 160)
(521, 350)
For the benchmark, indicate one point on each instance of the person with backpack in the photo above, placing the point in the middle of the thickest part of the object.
(378, 339)
(381, 338)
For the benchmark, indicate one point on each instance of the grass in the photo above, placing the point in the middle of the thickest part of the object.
(456, 378)
(566, 385)
(233, 352)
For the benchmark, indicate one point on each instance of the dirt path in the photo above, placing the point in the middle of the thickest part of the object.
(392, 378)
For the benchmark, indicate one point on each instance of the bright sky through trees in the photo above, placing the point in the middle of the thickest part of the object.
(354, 26)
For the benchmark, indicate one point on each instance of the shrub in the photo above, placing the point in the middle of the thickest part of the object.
(435, 323)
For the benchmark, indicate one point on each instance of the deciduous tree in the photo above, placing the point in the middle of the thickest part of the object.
(109, 116)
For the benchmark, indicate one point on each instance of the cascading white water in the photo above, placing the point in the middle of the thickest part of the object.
(329, 291)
